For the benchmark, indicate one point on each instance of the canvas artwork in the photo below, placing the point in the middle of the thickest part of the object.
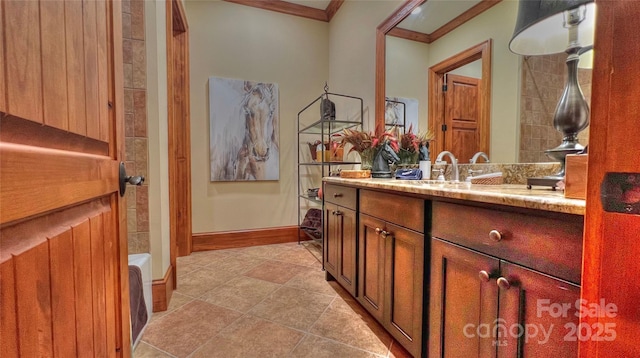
(395, 113)
(244, 130)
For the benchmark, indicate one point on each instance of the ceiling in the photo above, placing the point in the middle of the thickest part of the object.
(435, 14)
(316, 4)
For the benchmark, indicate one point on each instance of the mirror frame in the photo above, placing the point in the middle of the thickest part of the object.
(381, 31)
(380, 82)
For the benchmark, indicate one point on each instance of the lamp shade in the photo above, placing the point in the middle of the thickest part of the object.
(540, 29)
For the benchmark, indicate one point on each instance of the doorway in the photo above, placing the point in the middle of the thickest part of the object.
(460, 105)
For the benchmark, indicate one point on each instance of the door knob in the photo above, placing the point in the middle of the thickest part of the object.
(128, 179)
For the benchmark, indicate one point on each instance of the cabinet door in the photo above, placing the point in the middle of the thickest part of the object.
(404, 284)
(346, 233)
(542, 307)
(371, 258)
(331, 239)
(463, 302)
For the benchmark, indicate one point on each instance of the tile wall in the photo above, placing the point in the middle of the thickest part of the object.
(543, 81)
(135, 108)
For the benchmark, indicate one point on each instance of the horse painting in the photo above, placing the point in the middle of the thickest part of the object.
(244, 130)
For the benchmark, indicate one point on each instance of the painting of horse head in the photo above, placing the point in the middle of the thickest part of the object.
(244, 130)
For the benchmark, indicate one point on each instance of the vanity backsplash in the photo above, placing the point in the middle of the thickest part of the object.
(514, 173)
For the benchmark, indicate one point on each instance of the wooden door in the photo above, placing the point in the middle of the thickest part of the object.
(63, 249)
(331, 245)
(404, 283)
(544, 308)
(371, 259)
(347, 264)
(461, 106)
(611, 247)
(463, 302)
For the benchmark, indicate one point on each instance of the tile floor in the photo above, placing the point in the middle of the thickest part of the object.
(262, 301)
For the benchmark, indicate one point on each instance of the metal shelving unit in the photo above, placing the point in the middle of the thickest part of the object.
(404, 115)
(349, 114)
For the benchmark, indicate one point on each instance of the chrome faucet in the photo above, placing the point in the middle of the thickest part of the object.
(454, 163)
(477, 155)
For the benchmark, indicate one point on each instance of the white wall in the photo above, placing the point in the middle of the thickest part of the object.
(158, 177)
(241, 42)
(352, 50)
(407, 74)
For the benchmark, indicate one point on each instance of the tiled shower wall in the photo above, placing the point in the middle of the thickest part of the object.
(543, 81)
(135, 117)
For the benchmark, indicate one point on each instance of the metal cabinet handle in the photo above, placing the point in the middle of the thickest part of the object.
(484, 276)
(495, 235)
(337, 195)
(503, 283)
(382, 233)
(338, 212)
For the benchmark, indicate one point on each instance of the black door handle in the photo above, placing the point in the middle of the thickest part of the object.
(130, 179)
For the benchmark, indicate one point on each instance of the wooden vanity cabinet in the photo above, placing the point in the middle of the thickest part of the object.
(391, 264)
(492, 279)
(340, 235)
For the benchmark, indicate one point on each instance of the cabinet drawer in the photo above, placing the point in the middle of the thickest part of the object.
(397, 209)
(340, 195)
(551, 244)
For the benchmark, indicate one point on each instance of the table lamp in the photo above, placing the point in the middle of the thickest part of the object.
(546, 27)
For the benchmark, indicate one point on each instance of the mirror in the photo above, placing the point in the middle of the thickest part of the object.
(524, 90)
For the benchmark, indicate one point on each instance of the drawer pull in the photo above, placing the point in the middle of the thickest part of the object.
(495, 235)
(337, 212)
(503, 283)
(484, 276)
(337, 195)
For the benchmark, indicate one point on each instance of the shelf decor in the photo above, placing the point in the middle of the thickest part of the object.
(244, 130)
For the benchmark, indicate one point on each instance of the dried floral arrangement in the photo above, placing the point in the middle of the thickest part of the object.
(361, 141)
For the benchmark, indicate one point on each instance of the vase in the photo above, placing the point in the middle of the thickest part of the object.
(407, 158)
(366, 158)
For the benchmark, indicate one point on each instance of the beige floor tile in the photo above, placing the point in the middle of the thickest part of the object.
(177, 300)
(267, 251)
(196, 283)
(183, 269)
(298, 256)
(316, 347)
(236, 264)
(313, 281)
(398, 351)
(360, 331)
(251, 337)
(275, 271)
(144, 350)
(240, 294)
(202, 258)
(292, 307)
(184, 330)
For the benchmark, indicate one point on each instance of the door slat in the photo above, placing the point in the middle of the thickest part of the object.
(54, 64)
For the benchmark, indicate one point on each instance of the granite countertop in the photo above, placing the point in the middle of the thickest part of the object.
(506, 194)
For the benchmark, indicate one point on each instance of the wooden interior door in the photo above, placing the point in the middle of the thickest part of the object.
(63, 250)
(461, 114)
(611, 246)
